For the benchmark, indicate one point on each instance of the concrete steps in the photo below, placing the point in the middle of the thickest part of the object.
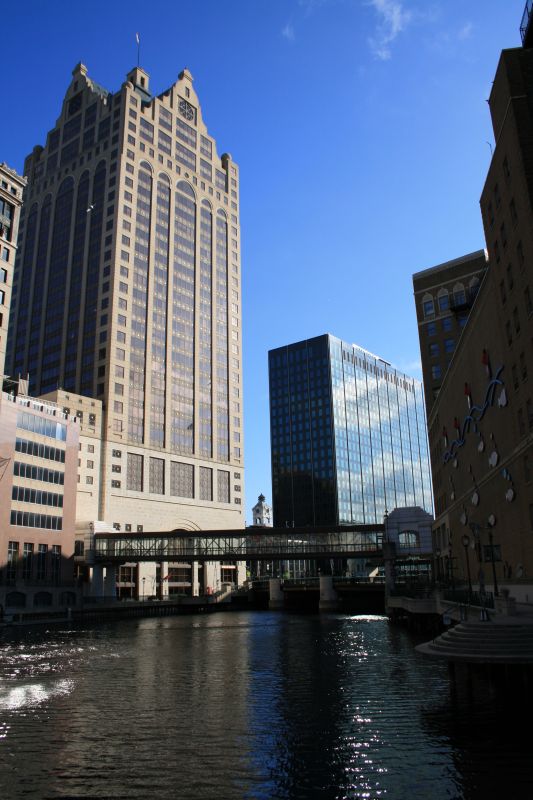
(483, 642)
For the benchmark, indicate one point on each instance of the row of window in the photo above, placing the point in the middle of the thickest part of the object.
(38, 496)
(40, 450)
(34, 473)
(28, 519)
(450, 300)
(182, 479)
(46, 427)
(45, 556)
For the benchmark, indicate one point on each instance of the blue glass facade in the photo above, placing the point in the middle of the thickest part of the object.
(348, 435)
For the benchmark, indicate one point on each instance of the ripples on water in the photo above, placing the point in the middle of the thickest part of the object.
(247, 706)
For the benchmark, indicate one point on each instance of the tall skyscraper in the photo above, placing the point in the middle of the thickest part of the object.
(348, 435)
(127, 290)
(11, 187)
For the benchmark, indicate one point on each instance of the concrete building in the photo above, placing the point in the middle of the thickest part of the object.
(127, 291)
(481, 423)
(11, 188)
(38, 466)
(444, 296)
(348, 435)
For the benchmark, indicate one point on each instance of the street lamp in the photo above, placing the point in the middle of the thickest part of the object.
(493, 563)
(466, 544)
(475, 528)
(437, 563)
(143, 588)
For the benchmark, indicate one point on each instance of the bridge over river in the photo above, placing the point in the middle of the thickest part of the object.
(243, 544)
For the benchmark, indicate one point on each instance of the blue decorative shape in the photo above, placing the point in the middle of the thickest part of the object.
(475, 415)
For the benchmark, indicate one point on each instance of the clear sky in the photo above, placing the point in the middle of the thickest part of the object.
(361, 130)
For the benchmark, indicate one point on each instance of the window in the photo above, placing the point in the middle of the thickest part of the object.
(206, 483)
(223, 486)
(503, 295)
(428, 308)
(435, 372)
(444, 303)
(134, 480)
(147, 130)
(181, 479)
(459, 297)
(449, 345)
(408, 539)
(510, 281)
(447, 324)
(157, 476)
(433, 350)
(492, 552)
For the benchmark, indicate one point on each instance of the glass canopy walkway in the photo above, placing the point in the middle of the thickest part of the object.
(249, 544)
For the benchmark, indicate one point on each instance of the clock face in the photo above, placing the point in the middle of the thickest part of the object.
(186, 110)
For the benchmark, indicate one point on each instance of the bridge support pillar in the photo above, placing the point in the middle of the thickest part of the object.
(241, 573)
(163, 584)
(329, 599)
(195, 582)
(97, 581)
(275, 594)
(389, 556)
(110, 582)
(146, 580)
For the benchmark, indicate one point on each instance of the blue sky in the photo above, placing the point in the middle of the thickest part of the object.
(361, 130)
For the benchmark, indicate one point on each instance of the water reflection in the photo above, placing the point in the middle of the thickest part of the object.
(245, 705)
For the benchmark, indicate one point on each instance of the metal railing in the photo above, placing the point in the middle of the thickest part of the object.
(467, 598)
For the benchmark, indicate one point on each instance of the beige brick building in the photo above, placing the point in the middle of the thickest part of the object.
(38, 465)
(127, 292)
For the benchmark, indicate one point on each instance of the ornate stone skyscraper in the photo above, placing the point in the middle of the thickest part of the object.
(127, 290)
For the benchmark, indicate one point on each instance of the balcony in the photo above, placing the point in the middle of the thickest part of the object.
(463, 301)
(526, 27)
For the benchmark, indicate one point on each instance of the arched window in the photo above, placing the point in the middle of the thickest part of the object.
(459, 296)
(186, 188)
(443, 300)
(408, 539)
(428, 306)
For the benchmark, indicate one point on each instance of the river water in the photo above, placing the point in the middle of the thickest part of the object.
(249, 705)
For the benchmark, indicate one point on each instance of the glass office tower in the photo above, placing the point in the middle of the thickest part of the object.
(348, 435)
